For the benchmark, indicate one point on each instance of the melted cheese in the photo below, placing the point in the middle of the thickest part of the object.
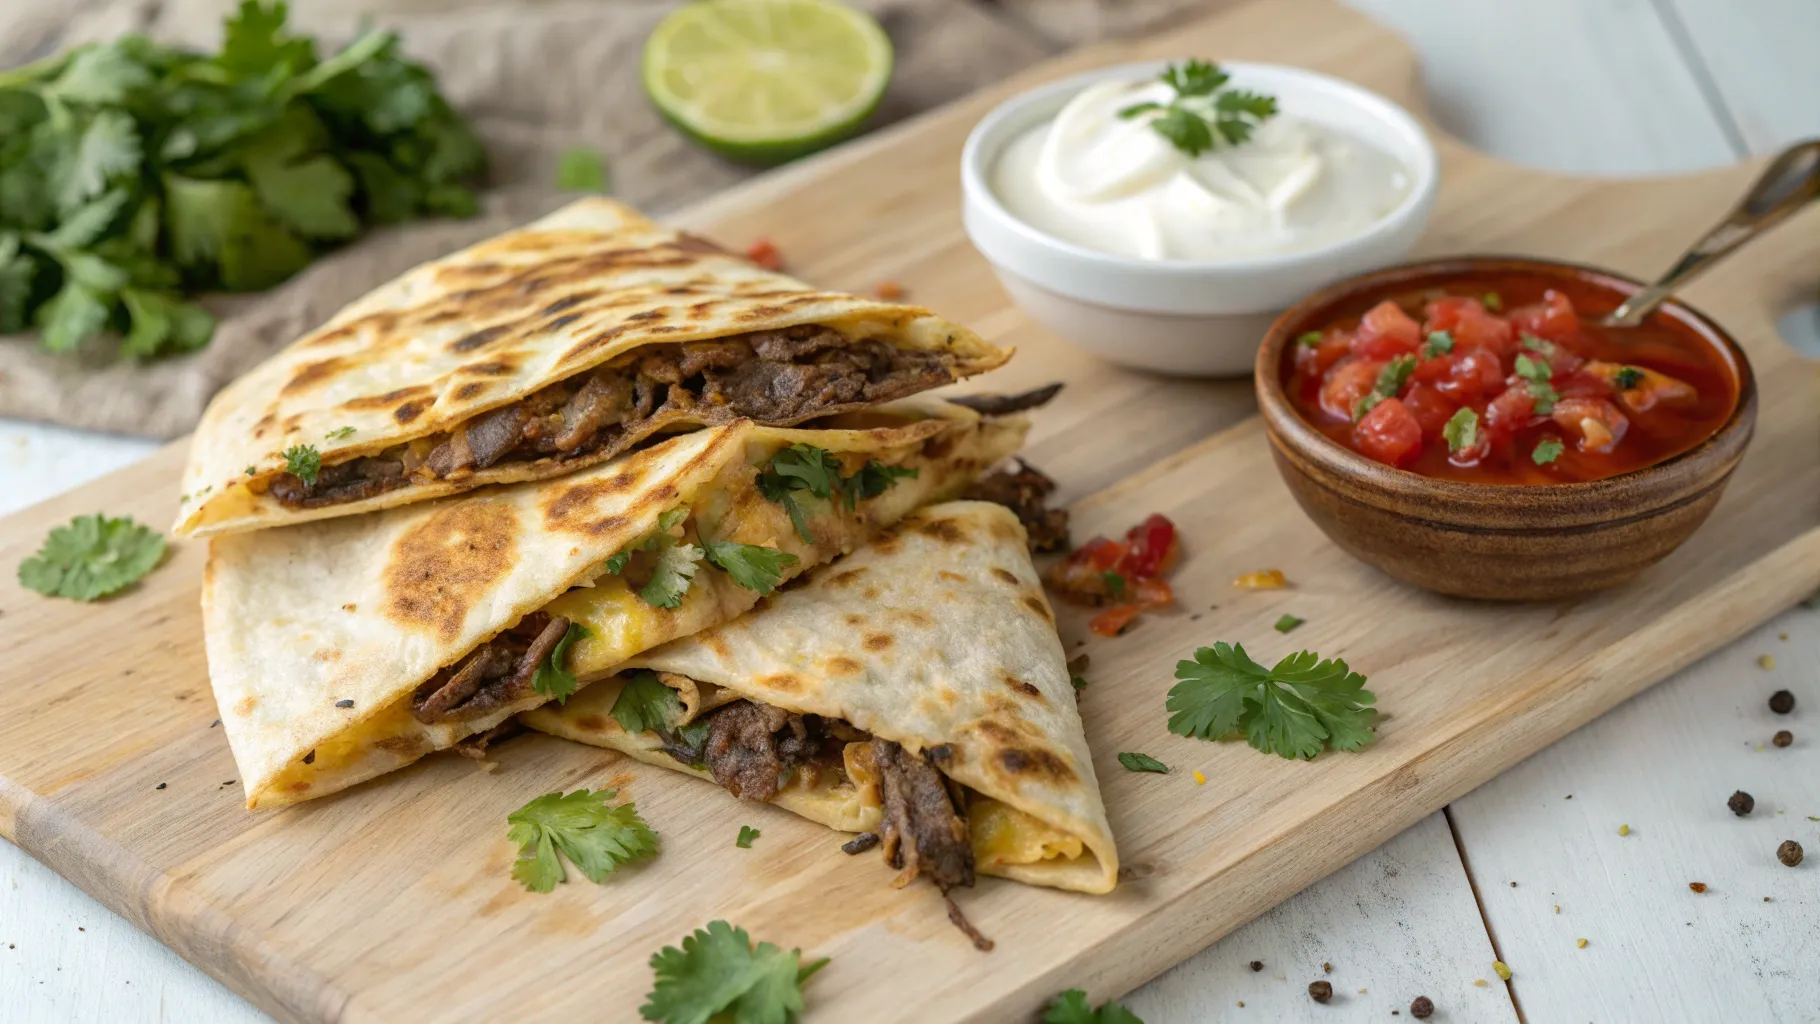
(1002, 834)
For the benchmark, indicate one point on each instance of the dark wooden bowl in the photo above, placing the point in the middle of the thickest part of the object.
(1500, 542)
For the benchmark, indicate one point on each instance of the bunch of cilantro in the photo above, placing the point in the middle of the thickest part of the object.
(133, 175)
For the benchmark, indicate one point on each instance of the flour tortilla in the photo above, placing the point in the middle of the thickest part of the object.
(937, 634)
(363, 609)
(491, 325)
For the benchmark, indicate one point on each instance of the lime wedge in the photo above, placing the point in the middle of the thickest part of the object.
(764, 81)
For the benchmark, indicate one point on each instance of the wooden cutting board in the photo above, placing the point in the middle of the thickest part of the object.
(392, 902)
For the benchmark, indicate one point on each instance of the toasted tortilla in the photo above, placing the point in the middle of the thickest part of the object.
(936, 635)
(491, 325)
(318, 635)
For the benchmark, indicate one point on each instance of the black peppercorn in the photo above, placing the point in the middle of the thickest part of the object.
(1320, 991)
(1422, 1008)
(1741, 803)
(1789, 852)
(1257, 965)
(1782, 702)
(1783, 738)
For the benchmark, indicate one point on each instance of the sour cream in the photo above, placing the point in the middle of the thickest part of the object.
(1113, 184)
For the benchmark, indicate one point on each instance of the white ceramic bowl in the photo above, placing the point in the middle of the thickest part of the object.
(1186, 317)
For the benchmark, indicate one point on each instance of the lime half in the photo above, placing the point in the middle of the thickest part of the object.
(763, 81)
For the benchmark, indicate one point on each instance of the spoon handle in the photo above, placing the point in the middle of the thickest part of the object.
(1790, 181)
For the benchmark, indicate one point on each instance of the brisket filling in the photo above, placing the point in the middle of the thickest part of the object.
(1024, 490)
(493, 675)
(777, 377)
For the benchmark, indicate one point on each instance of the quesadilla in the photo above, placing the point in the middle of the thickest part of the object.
(345, 648)
(538, 353)
(915, 689)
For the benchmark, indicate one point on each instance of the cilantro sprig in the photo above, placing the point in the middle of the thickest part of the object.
(1461, 431)
(1537, 373)
(672, 576)
(134, 175)
(645, 705)
(751, 566)
(304, 462)
(1390, 380)
(1137, 761)
(719, 969)
(1071, 1007)
(581, 826)
(1204, 113)
(746, 834)
(1546, 451)
(1296, 709)
(806, 468)
(92, 557)
(551, 678)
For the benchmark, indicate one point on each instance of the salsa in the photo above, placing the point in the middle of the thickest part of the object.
(1126, 579)
(1509, 380)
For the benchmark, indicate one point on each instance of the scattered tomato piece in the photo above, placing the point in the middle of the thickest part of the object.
(889, 291)
(765, 253)
(1127, 576)
(1389, 433)
(1114, 620)
(1262, 579)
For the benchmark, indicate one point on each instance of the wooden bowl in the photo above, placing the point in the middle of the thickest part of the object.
(1493, 541)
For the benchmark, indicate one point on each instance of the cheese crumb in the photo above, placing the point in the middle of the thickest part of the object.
(1766, 661)
(1199, 779)
(1262, 579)
(1624, 830)
(1557, 908)
(1503, 971)
(1580, 943)
(1478, 982)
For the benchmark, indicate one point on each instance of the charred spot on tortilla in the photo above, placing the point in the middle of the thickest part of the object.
(408, 411)
(951, 577)
(470, 389)
(491, 368)
(784, 681)
(1035, 762)
(1039, 606)
(945, 530)
(855, 619)
(1019, 686)
(387, 400)
(879, 641)
(846, 577)
(840, 665)
(312, 374)
(245, 705)
(480, 339)
(450, 560)
(1006, 575)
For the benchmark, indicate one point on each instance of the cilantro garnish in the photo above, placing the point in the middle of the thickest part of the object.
(1142, 763)
(1439, 344)
(646, 705)
(804, 467)
(338, 433)
(1537, 373)
(582, 170)
(1390, 381)
(1533, 369)
(303, 462)
(1547, 450)
(672, 576)
(746, 834)
(718, 968)
(249, 471)
(1461, 431)
(92, 557)
(594, 837)
(751, 566)
(1288, 622)
(1204, 113)
(1493, 301)
(1080, 682)
(1115, 584)
(1071, 1007)
(553, 680)
(134, 175)
(1298, 708)
(616, 562)
(1535, 344)
(1627, 377)
(874, 479)
(1309, 338)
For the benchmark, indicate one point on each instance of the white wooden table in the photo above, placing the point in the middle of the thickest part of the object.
(1519, 870)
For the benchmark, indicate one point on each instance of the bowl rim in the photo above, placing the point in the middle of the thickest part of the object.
(1286, 426)
(1425, 172)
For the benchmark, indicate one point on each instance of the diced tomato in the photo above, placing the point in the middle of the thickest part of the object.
(1596, 424)
(765, 253)
(1389, 433)
(1584, 383)
(1081, 577)
(1386, 331)
(1348, 382)
(1469, 323)
(1430, 409)
(1151, 549)
(1472, 373)
(1648, 388)
(1153, 593)
(1553, 318)
(1314, 360)
(1114, 620)
(1510, 411)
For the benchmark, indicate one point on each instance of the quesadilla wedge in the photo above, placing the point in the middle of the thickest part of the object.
(864, 695)
(535, 354)
(342, 649)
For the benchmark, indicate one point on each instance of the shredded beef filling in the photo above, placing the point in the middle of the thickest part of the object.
(1025, 490)
(777, 377)
(923, 832)
(752, 748)
(493, 675)
(1005, 405)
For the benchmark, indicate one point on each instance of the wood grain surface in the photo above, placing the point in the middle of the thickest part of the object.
(392, 901)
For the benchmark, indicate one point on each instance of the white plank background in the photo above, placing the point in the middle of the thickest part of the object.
(1587, 86)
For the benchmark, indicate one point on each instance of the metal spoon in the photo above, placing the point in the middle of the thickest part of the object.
(1787, 184)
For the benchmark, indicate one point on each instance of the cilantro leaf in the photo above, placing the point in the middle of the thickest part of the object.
(874, 479)
(1547, 450)
(1201, 115)
(1115, 584)
(338, 433)
(646, 705)
(74, 313)
(1627, 377)
(1071, 1007)
(18, 271)
(616, 562)
(746, 834)
(551, 678)
(1195, 77)
(1296, 709)
(582, 170)
(1439, 344)
(581, 826)
(718, 968)
(1185, 130)
(1533, 370)
(1142, 763)
(1493, 301)
(303, 462)
(1287, 622)
(92, 557)
(163, 324)
(97, 75)
(253, 41)
(672, 576)
(84, 227)
(751, 566)
(310, 196)
(1311, 339)
(1461, 431)
(1390, 381)
(107, 149)
(800, 467)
